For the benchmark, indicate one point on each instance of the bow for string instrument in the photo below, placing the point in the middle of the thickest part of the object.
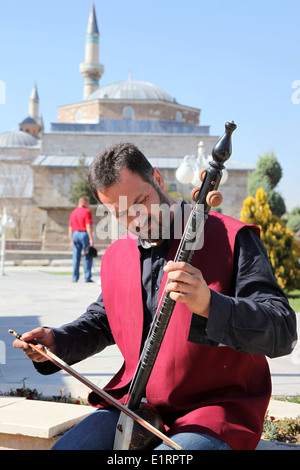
(151, 429)
(128, 435)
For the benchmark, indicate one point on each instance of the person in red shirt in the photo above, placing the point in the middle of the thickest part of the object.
(81, 236)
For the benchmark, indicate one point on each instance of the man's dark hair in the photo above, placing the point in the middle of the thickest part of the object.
(106, 167)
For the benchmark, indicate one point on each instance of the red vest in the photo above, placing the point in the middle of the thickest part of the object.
(215, 390)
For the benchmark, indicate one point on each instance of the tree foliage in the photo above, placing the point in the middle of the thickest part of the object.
(174, 194)
(267, 175)
(293, 221)
(81, 187)
(282, 247)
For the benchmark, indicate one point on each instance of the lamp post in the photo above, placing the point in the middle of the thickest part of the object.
(188, 171)
(6, 221)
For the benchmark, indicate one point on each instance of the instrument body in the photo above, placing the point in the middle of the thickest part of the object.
(127, 428)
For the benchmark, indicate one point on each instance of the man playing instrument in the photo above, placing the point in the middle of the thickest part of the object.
(211, 382)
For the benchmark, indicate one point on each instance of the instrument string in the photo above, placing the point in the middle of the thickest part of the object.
(160, 301)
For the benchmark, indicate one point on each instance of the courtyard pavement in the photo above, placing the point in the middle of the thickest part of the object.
(45, 296)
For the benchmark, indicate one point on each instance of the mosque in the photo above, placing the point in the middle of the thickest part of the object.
(37, 168)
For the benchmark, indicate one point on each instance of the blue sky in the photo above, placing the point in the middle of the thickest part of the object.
(233, 59)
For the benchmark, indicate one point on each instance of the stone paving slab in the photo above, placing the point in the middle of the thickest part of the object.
(283, 409)
(275, 445)
(36, 418)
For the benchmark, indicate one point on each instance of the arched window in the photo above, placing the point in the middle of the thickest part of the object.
(178, 116)
(78, 115)
(128, 112)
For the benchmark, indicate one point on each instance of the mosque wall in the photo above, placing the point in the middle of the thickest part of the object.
(52, 186)
(160, 145)
(93, 111)
(87, 111)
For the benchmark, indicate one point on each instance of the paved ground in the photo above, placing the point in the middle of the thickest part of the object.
(33, 296)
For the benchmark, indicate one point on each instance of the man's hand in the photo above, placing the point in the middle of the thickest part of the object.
(43, 336)
(188, 286)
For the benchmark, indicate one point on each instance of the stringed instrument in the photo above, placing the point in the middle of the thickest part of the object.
(207, 196)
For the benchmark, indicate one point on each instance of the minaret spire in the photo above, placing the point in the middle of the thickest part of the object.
(91, 69)
(33, 124)
(34, 104)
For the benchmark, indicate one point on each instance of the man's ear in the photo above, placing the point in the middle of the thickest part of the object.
(157, 176)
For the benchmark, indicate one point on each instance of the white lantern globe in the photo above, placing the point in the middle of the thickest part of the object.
(185, 173)
(224, 177)
(196, 180)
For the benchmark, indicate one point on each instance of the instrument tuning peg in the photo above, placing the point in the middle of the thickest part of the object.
(202, 173)
(194, 194)
(214, 198)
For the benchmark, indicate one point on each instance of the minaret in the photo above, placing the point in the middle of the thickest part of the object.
(91, 69)
(34, 104)
(33, 124)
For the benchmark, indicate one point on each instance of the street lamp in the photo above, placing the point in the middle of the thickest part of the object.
(185, 172)
(6, 221)
(188, 171)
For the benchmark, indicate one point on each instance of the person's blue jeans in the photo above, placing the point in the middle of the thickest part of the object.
(97, 431)
(80, 242)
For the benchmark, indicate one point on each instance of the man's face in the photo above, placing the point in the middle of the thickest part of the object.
(138, 205)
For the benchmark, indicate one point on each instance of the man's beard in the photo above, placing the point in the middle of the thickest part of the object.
(157, 225)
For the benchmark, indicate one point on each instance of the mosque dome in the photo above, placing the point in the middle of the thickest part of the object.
(18, 139)
(131, 90)
(29, 120)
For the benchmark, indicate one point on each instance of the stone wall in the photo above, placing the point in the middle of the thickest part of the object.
(56, 233)
(93, 111)
(88, 111)
(19, 153)
(234, 192)
(52, 186)
(152, 145)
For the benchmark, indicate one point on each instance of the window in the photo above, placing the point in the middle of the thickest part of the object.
(128, 112)
(78, 115)
(178, 116)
